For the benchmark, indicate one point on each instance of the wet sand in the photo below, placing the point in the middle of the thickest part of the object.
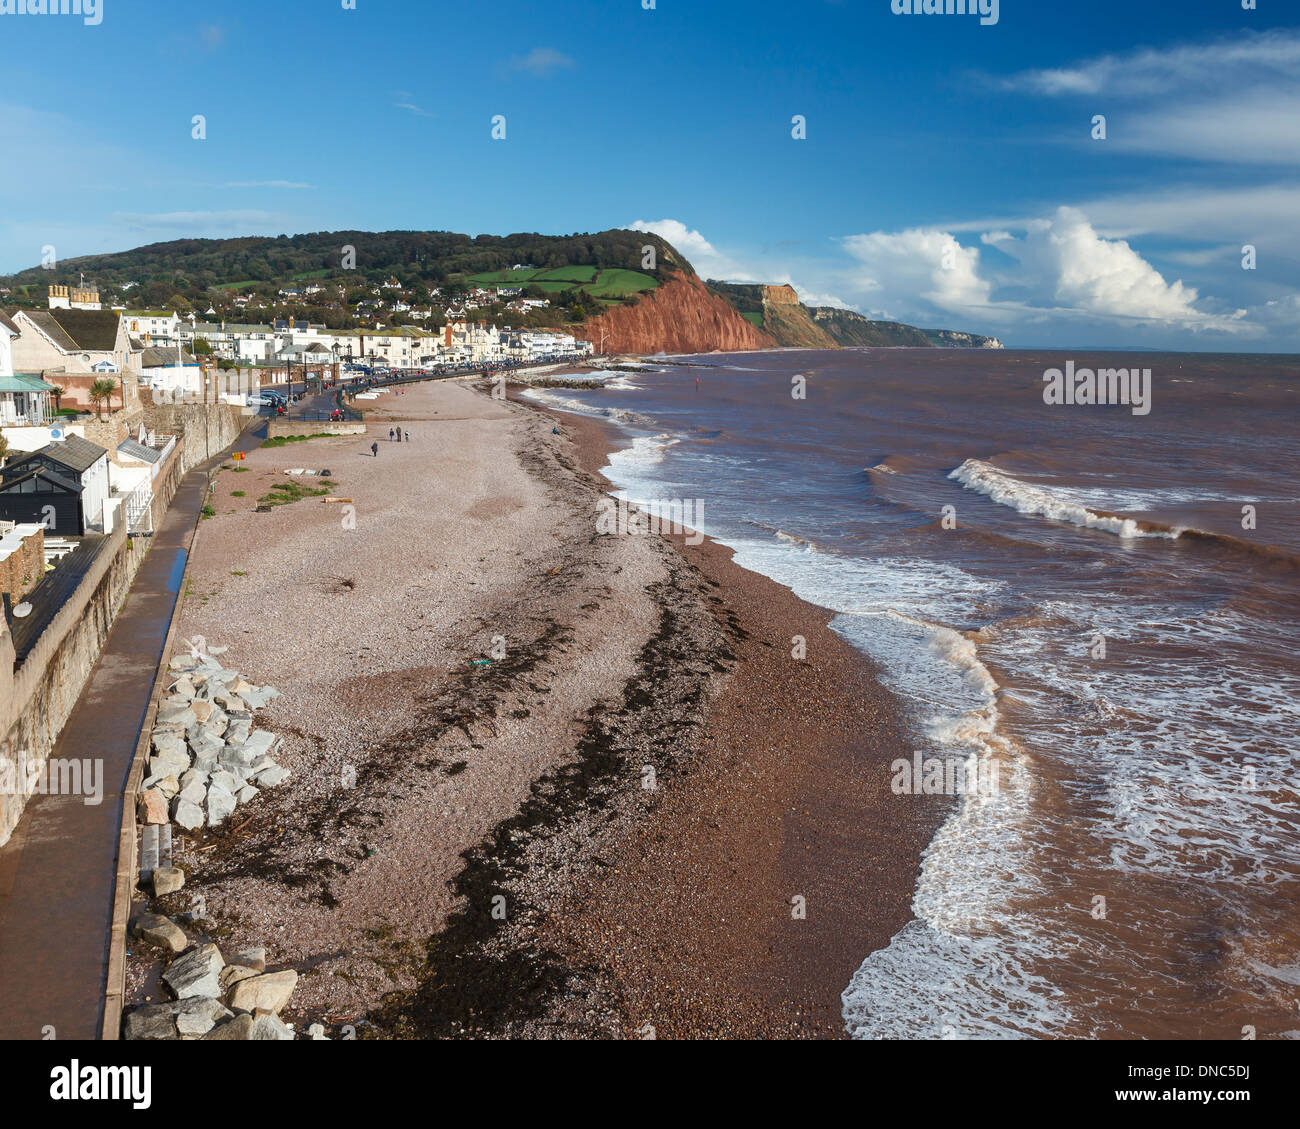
(789, 798)
(467, 847)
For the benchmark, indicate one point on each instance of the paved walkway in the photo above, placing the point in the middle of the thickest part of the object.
(58, 870)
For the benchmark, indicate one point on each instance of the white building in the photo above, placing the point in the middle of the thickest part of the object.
(153, 327)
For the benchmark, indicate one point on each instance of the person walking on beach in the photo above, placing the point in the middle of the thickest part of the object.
(399, 434)
(374, 449)
(408, 436)
(390, 434)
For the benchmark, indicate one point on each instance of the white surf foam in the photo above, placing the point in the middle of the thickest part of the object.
(1039, 501)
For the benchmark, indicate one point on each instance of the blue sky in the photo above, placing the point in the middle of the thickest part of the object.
(949, 176)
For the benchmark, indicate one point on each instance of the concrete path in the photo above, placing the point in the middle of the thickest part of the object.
(57, 872)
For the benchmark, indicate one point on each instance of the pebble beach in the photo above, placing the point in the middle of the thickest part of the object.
(543, 782)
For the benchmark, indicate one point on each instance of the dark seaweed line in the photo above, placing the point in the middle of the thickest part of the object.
(484, 977)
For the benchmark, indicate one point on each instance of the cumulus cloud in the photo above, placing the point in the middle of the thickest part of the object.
(1106, 276)
(923, 262)
(1060, 266)
(708, 261)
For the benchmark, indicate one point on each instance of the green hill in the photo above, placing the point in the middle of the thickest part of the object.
(607, 265)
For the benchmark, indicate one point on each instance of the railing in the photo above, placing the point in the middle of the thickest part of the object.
(139, 512)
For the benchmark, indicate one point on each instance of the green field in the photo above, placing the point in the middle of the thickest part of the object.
(610, 285)
(620, 284)
(756, 318)
(237, 285)
(525, 277)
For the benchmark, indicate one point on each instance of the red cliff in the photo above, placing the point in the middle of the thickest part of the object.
(679, 316)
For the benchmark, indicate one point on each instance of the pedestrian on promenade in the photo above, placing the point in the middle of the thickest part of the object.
(374, 449)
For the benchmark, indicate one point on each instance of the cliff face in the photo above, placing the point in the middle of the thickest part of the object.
(952, 339)
(850, 328)
(680, 316)
(786, 319)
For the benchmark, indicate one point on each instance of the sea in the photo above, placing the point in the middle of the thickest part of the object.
(1099, 606)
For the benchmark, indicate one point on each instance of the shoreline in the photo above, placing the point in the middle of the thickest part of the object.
(785, 800)
(516, 784)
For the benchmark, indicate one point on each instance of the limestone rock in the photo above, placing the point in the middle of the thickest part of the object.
(197, 973)
(261, 743)
(197, 1016)
(246, 793)
(195, 791)
(238, 1028)
(176, 715)
(161, 932)
(182, 688)
(153, 1021)
(219, 804)
(169, 763)
(270, 991)
(223, 779)
(269, 1027)
(169, 740)
(187, 814)
(271, 777)
(234, 973)
(167, 880)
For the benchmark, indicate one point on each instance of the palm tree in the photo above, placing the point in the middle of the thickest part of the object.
(101, 391)
(59, 392)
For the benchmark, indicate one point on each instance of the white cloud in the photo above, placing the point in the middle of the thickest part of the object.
(1061, 270)
(542, 62)
(1236, 100)
(1256, 127)
(924, 262)
(1107, 277)
(1253, 57)
(707, 260)
(411, 107)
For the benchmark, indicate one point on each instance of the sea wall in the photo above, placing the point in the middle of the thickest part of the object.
(207, 429)
(278, 427)
(37, 697)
